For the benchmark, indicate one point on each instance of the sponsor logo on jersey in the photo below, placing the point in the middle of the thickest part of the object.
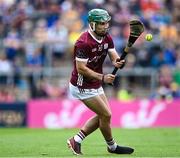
(105, 45)
(94, 49)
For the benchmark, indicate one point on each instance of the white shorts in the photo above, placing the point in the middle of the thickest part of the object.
(82, 94)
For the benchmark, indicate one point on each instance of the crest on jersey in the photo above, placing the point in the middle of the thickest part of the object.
(105, 45)
(100, 47)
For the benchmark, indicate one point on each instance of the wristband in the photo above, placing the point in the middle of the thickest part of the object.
(103, 78)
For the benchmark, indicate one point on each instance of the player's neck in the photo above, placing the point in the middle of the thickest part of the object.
(96, 36)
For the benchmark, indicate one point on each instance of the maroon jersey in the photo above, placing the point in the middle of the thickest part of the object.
(88, 48)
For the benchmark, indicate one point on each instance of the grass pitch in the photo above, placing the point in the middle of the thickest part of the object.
(154, 142)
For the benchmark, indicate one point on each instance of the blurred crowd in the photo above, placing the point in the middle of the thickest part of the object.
(36, 34)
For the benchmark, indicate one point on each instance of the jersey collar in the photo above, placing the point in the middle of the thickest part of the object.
(99, 41)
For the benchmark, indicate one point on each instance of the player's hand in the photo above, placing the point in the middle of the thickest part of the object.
(119, 64)
(108, 78)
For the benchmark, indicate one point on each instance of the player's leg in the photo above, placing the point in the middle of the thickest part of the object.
(100, 106)
(97, 105)
(91, 125)
(112, 145)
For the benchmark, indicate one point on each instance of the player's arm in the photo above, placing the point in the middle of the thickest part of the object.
(81, 58)
(113, 55)
(87, 72)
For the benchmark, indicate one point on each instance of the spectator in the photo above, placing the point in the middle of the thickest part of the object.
(158, 60)
(6, 68)
(169, 32)
(40, 31)
(125, 95)
(175, 90)
(39, 90)
(6, 94)
(12, 44)
(162, 93)
(57, 40)
(35, 59)
(165, 76)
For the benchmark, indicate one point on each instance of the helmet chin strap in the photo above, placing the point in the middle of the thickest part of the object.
(93, 28)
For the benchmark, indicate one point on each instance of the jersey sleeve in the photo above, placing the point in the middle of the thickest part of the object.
(111, 43)
(81, 52)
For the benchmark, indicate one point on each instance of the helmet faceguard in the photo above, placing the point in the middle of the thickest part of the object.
(96, 16)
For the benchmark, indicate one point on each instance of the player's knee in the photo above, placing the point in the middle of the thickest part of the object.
(106, 116)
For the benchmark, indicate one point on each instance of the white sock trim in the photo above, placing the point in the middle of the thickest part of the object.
(79, 137)
(112, 144)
